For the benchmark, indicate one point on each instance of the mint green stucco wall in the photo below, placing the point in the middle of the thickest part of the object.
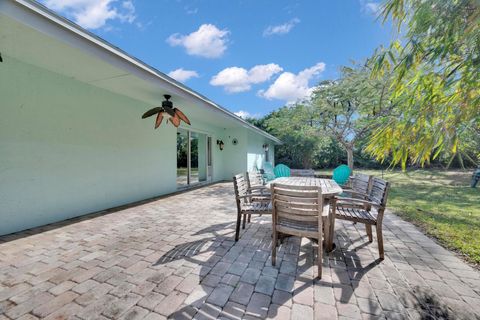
(67, 148)
(71, 138)
(255, 152)
(235, 155)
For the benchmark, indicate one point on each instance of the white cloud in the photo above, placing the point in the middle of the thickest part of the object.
(370, 7)
(235, 79)
(208, 41)
(281, 29)
(94, 14)
(245, 114)
(183, 75)
(292, 87)
(190, 10)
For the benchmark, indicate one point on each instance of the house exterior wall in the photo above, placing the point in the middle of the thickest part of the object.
(68, 148)
(235, 157)
(71, 138)
(256, 153)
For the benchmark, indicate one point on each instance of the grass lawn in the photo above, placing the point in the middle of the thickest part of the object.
(441, 203)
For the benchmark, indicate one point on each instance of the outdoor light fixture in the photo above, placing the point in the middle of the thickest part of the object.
(265, 147)
(220, 144)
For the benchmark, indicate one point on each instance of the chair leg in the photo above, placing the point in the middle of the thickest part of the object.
(326, 234)
(244, 221)
(331, 234)
(274, 248)
(320, 257)
(380, 241)
(237, 228)
(369, 232)
(249, 217)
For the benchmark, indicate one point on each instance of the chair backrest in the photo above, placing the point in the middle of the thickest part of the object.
(297, 205)
(254, 178)
(302, 173)
(379, 191)
(268, 173)
(240, 187)
(341, 174)
(361, 183)
(281, 170)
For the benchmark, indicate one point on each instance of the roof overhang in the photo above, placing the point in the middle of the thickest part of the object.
(41, 18)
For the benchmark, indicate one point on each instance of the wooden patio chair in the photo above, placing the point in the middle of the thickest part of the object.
(245, 205)
(360, 210)
(256, 183)
(256, 186)
(302, 173)
(359, 186)
(298, 211)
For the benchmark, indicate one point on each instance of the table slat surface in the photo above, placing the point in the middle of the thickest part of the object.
(329, 187)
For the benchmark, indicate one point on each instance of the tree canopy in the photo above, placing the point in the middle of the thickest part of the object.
(435, 69)
(346, 108)
(413, 102)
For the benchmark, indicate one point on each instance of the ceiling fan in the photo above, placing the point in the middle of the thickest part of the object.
(167, 110)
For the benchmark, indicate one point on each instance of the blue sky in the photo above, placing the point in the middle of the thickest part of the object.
(249, 56)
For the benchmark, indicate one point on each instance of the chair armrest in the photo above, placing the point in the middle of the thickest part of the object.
(262, 188)
(250, 195)
(353, 192)
(262, 199)
(347, 201)
(264, 192)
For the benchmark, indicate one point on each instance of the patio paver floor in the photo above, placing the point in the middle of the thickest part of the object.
(175, 257)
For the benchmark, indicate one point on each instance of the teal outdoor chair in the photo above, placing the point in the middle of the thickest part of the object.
(281, 170)
(268, 173)
(341, 174)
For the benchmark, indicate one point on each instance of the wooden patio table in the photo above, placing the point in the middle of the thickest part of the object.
(329, 189)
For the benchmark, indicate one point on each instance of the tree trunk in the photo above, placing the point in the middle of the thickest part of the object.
(350, 157)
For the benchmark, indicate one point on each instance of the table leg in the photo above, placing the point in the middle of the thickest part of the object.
(331, 218)
(327, 229)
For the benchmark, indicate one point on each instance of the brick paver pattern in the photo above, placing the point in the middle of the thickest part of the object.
(174, 257)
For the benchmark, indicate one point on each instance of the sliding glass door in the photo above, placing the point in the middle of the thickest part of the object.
(182, 158)
(193, 158)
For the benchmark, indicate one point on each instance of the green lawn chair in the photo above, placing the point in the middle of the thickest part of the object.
(268, 173)
(341, 174)
(281, 170)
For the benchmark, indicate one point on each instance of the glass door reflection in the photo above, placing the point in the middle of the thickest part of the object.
(202, 157)
(209, 158)
(194, 178)
(192, 158)
(182, 157)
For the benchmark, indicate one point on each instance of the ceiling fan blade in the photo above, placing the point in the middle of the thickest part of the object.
(181, 115)
(158, 121)
(169, 111)
(151, 112)
(175, 121)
